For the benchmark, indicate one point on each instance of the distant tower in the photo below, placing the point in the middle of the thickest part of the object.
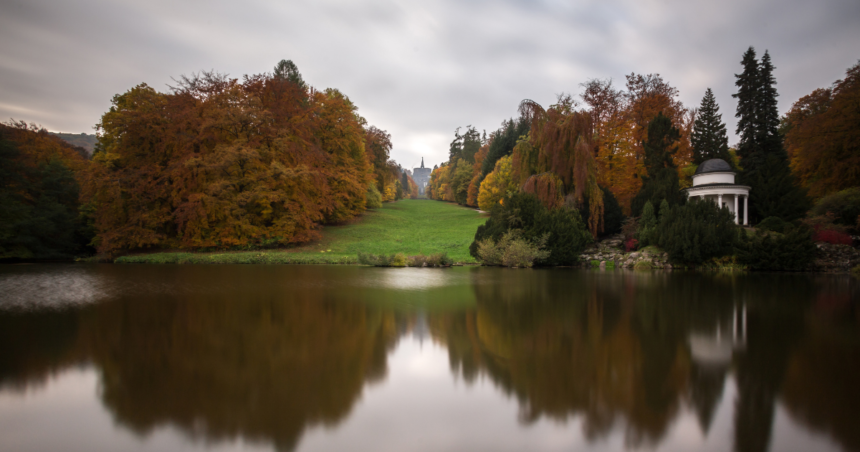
(421, 176)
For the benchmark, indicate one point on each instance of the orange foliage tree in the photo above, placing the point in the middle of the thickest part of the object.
(823, 136)
(620, 126)
(221, 163)
(560, 142)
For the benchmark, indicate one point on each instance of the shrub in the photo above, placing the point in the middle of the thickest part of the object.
(643, 265)
(488, 252)
(696, 232)
(832, 236)
(844, 205)
(512, 250)
(774, 224)
(398, 260)
(373, 198)
(566, 235)
(401, 260)
(826, 229)
(647, 225)
(792, 251)
(630, 227)
(417, 261)
(630, 244)
(439, 260)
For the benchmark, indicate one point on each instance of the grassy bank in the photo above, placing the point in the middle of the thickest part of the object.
(410, 226)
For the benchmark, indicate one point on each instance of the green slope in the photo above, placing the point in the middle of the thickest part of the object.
(410, 226)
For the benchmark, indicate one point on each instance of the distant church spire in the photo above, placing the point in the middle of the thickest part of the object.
(422, 162)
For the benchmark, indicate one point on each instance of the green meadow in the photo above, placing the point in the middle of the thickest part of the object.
(409, 226)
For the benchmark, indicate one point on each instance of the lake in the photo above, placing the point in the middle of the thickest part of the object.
(337, 358)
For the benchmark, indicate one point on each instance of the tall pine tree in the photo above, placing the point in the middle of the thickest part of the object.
(709, 137)
(661, 181)
(747, 96)
(763, 157)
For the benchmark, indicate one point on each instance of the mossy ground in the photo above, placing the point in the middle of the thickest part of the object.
(409, 226)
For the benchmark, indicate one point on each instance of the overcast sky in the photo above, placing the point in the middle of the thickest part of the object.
(416, 69)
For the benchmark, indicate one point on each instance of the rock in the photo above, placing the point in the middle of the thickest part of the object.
(603, 265)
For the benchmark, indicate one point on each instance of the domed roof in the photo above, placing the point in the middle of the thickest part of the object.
(714, 166)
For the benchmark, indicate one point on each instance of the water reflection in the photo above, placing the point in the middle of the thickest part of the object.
(263, 354)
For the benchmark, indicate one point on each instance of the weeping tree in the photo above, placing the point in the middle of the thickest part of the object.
(559, 142)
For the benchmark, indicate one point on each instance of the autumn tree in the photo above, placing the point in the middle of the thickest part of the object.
(709, 139)
(377, 145)
(560, 142)
(620, 121)
(41, 215)
(615, 153)
(477, 176)
(496, 185)
(823, 137)
(219, 163)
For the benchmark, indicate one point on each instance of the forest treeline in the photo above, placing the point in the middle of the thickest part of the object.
(609, 151)
(214, 163)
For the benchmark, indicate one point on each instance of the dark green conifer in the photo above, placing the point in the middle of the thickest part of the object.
(747, 96)
(709, 137)
(287, 70)
(502, 142)
(763, 158)
(661, 181)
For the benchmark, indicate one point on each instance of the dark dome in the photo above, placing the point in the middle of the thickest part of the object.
(714, 166)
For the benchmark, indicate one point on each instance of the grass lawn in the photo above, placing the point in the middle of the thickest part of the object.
(409, 226)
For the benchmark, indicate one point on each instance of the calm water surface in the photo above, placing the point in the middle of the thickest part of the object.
(327, 358)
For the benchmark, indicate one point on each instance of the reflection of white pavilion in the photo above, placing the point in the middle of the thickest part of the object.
(716, 348)
(715, 181)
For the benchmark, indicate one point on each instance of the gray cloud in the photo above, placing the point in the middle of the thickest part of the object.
(416, 69)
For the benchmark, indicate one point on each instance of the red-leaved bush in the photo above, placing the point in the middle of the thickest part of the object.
(831, 236)
(631, 244)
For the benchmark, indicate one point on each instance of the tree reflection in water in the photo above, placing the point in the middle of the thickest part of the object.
(227, 353)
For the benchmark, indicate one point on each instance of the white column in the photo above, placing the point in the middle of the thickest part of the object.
(746, 212)
(720, 201)
(736, 209)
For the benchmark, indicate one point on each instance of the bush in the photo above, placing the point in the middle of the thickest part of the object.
(774, 224)
(629, 228)
(697, 231)
(401, 260)
(643, 265)
(562, 228)
(844, 205)
(826, 229)
(439, 260)
(832, 236)
(647, 226)
(630, 244)
(792, 251)
(512, 250)
(373, 198)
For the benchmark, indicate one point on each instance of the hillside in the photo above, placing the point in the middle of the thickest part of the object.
(86, 141)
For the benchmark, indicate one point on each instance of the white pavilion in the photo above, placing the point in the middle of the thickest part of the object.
(715, 181)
